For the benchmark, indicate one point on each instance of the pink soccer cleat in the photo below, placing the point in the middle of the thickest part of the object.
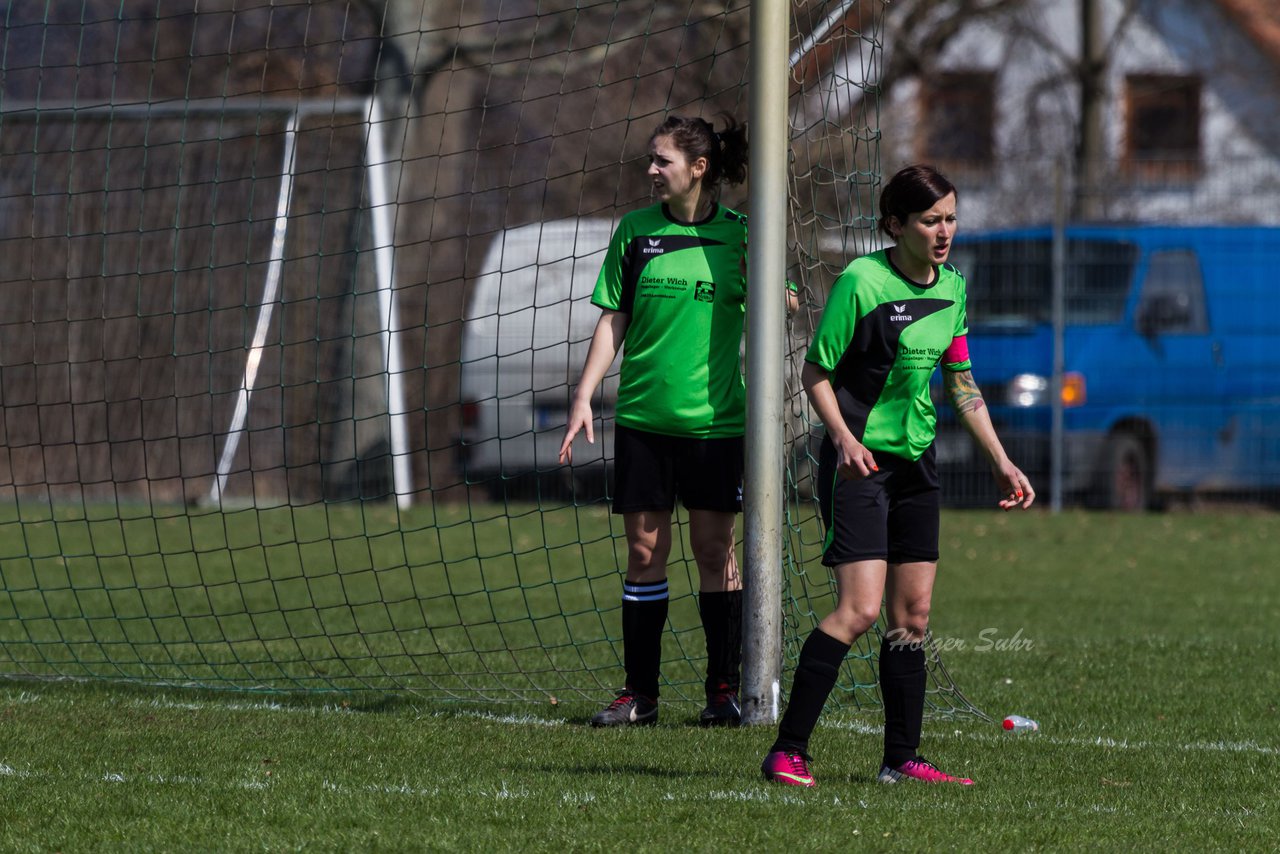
(919, 769)
(788, 768)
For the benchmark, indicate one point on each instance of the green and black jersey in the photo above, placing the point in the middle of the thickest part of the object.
(684, 287)
(880, 338)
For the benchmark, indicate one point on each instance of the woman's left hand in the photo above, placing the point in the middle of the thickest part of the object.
(1015, 488)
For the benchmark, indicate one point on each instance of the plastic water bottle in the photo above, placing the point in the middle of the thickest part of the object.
(1017, 723)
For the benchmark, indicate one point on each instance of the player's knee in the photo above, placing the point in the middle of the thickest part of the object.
(643, 557)
(856, 619)
(712, 556)
(912, 629)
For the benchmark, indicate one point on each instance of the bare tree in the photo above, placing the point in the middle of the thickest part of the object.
(918, 31)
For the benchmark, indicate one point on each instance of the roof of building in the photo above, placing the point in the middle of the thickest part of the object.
(1260, 20)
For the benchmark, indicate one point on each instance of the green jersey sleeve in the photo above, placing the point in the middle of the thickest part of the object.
(835, 329)
(609, 288)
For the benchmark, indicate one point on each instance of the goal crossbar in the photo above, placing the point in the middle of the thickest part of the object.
(380, 202)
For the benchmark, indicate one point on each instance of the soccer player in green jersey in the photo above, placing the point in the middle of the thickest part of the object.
(672, 294)
(892, 317)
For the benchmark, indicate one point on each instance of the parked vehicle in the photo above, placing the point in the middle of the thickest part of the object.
(526, 330)
(527, 327)
(1171, 360)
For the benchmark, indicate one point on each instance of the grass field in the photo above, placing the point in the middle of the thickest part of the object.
(1144, 645)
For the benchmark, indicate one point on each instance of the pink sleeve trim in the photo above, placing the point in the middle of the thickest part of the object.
(958, 351)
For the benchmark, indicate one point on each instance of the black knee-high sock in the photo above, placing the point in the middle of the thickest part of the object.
(902, 684)
(816, 672)
(722, 623)
(644, 616)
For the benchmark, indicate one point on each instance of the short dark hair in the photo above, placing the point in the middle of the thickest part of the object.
(725, 150)
(913, 189)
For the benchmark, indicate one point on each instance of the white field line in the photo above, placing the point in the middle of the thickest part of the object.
(515, 720)
(1080, 741)
(259, 706)
(518, 720)
(860, 727)
(116, 777)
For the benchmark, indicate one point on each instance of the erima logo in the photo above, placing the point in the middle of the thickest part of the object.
(900, 317)
(654, 247)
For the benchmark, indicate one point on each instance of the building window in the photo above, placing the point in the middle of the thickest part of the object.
(959, 132)
(1162, 125)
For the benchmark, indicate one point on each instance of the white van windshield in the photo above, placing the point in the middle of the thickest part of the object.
(1010, 281)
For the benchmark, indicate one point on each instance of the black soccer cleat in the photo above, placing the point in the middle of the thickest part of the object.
(628, 709)
(722, 709)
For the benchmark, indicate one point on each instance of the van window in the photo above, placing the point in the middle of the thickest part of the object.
(1010, 281)
(1173, 294)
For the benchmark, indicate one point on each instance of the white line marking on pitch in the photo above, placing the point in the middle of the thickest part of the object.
(261, 706)
(189, 705)
(1081, 741)
(519, 720)
(402, 789)
(851, 726)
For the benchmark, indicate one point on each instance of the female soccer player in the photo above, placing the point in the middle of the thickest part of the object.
(673, 288)
(891, 318)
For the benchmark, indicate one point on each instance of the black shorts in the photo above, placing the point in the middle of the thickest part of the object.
(891, 515)
(650, 470)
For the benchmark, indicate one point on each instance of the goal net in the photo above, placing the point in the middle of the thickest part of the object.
(294, 295)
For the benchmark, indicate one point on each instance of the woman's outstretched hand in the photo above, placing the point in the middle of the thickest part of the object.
(580, 419)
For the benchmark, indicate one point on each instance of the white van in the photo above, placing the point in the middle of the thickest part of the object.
(525, 335)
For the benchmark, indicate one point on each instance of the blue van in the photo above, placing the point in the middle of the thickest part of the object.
(1171, 349)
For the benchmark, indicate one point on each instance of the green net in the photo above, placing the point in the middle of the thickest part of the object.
(293, 296)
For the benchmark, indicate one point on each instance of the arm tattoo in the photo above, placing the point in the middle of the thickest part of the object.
(963, 391)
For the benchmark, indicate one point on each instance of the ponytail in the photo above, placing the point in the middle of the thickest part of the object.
(732, 142)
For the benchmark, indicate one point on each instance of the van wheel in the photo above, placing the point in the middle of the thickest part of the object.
(1127, 483)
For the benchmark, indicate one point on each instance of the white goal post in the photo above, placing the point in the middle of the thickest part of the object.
(763, 486)
(375, 160)
(379, 204)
